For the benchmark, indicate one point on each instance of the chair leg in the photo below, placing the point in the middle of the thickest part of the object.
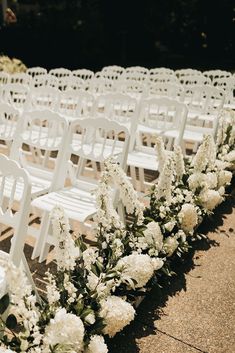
(44, 227)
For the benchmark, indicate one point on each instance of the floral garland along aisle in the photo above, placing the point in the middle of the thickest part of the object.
(92, 293)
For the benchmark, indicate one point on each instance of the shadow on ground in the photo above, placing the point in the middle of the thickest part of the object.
(151, 309)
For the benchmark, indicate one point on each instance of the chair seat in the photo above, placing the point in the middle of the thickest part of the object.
(143, 160)
(195, 136)
(78, 204)
(148, 130)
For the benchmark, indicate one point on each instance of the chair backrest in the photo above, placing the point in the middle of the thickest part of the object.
(84, 74)
(16, 95)
(135, 88)
(21, 77)
(96, 140)
(71, 82)
(43, 98)
(136, 73)
(39, 144)
(46, 80)
(161, 70)
(164, 114)
(12, 175)
(215, 100)
(9, 118)
(195, 97)
(167, 89)
(214, 74)
(157, 77)
(75, 104)
(194, 80)
(60, 72)
(185, 72)
(4, 78)
(113, 70)
(100, 84)
(36, 71)
(227, 84)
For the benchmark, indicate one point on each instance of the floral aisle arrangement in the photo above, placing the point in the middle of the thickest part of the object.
(93, 292)
(11, 66)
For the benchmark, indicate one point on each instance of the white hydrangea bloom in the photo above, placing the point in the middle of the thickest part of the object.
(157, 263)
(137, 267)
(153, 235)
(170, 245)
(224, 178)
(188, 217)
(230, 157)
(211, 180)
(23, 301)
(210, 199)
(97, 345)
(117, 314)
(197, 180)
(65, 330)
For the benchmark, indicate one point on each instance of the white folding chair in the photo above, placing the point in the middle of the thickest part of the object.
(9, 118)
(38, 147)
(113, 71)
(157, 117)
(36, 71)
(135, 88)
(12, 175)
(46, 80)
(161, 70)
(71, 82)
(85, 75)
(16, 95)
(90, 139)
(162, 77)
(227, 84)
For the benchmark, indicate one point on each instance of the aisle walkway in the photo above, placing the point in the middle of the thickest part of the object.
(197, 311)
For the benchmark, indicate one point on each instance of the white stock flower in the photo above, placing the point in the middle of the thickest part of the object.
(66, 251)
(170, 245)
(179, 162)
(128, 195)
(210, 199)
(196, 180)
(153, 235)
(201, 158)
(117, 314)
(65, 330)
(188, 217)
(161, 153)
(97, 345)
(164, 185)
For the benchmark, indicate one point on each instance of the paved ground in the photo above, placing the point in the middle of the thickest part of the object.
(196, 311)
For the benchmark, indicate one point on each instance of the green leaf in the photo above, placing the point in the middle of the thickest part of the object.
(11, 322)
(4, 303)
